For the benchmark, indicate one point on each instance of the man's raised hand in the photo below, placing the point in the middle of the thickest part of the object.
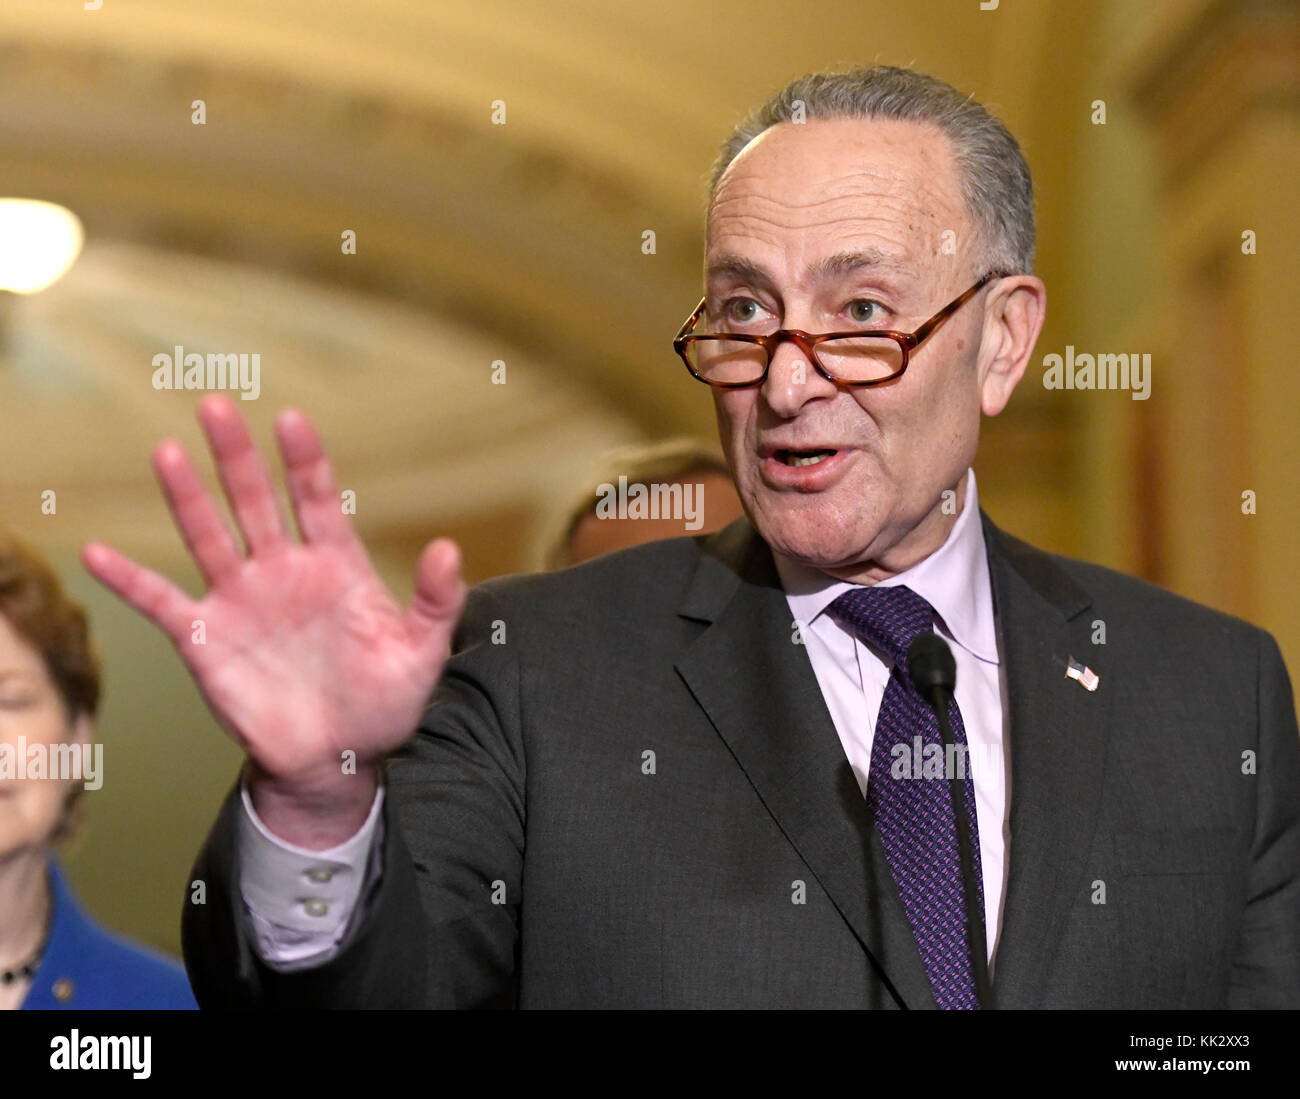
(305, 656)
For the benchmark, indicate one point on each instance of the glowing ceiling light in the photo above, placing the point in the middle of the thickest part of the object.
(39, 241)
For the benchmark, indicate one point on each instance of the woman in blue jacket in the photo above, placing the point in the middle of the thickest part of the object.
(52, 954)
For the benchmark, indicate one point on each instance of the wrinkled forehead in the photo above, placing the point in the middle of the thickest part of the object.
(804, 188)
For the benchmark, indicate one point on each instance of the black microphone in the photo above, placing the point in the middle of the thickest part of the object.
(934, 674)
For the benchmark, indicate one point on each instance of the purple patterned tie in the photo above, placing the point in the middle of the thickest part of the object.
(914, 814)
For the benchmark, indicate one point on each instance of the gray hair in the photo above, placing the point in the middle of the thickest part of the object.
(994, 180)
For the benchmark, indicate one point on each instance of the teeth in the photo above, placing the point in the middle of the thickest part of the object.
(809, 460)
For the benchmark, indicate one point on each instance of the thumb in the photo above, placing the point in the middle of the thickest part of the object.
(439, 594)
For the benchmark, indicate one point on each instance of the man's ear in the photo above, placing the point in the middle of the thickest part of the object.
(1013, 318)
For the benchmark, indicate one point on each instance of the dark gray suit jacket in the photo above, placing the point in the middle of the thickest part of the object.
(530, 859)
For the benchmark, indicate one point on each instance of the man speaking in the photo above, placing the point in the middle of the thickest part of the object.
(857, 749)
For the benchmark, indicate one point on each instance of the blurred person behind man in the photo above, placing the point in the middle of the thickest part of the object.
(52, 954)
(690, 473)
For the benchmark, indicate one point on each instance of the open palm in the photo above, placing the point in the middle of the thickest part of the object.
(298, 647)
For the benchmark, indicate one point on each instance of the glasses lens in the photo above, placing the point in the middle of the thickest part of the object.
(726, 362)
(860, 358)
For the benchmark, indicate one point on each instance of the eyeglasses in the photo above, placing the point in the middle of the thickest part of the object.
(849, 359)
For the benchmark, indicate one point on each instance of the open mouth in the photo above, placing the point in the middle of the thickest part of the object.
(803, 457)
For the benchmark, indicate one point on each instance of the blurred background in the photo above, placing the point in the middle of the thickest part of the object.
(521, 243)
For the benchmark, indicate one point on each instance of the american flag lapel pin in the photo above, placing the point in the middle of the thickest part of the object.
(1085, 675)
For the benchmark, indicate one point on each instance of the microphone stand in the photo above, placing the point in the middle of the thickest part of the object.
(934, 673)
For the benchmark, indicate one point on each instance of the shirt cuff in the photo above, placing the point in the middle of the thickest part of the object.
(299, 901)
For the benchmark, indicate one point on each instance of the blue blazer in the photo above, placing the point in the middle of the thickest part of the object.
(86, 968)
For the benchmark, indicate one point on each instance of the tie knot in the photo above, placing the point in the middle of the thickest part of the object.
(890, 617)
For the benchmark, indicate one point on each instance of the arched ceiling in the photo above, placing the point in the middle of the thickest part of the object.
(520, 241)
(408, 406)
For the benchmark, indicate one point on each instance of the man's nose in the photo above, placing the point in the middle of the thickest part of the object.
(792, 381)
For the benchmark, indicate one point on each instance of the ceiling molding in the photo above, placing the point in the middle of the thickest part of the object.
(531, 249)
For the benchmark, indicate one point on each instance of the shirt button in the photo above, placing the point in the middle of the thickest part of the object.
(316, 907)
(320, 874)
(63, 989)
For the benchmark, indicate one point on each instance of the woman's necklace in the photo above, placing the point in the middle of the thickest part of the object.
(22, 972)
(28, 968)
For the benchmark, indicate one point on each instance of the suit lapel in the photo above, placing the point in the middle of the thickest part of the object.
(1058, 734)
(759, 690)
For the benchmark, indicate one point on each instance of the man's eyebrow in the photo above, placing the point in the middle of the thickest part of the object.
(832, 267)
(738, 267)
(846, 263)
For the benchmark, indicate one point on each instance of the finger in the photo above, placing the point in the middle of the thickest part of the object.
(154, 596)
(243, 475)
(201, 526)
(439, 595)
(313, 490)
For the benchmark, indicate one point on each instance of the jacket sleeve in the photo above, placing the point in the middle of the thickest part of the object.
(439, 927)
(1266, 969)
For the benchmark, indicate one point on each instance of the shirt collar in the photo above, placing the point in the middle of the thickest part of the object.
(954, 580)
